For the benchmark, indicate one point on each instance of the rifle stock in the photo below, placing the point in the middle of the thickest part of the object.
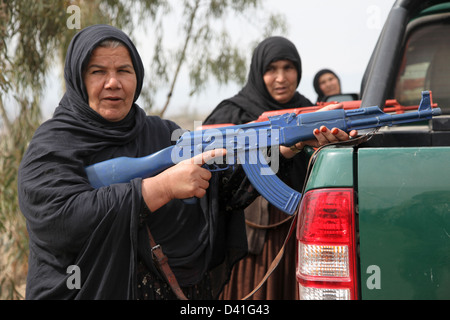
(125, 169)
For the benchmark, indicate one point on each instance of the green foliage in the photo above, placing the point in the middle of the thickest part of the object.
(13, 233)
(29, 30)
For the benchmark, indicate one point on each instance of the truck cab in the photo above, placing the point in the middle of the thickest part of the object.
(374, 220)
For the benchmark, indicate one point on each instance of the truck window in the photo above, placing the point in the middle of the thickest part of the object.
(426, 65)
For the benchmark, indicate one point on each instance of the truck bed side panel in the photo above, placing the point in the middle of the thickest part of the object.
(404, 222)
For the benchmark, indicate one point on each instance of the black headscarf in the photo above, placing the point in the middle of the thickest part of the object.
(320, 95)
(254, 99)
(97, 230)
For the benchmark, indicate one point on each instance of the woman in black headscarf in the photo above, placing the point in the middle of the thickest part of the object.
(275, 73)
(99, 235)
(326, 83)
(254, 98)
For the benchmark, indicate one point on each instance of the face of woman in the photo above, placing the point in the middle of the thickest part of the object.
(281, 80)
(329, 84)
(110, 82)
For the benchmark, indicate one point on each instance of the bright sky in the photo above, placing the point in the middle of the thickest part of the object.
(339, 35)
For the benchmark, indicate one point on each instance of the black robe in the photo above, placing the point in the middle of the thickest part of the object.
(98, 230)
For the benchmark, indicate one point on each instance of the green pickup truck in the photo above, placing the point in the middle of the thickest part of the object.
(374, 221)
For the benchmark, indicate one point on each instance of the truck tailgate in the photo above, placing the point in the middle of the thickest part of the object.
(404, 222)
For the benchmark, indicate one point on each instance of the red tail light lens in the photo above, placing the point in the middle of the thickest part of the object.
(326, 265)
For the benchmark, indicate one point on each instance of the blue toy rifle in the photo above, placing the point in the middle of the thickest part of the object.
(246, 143)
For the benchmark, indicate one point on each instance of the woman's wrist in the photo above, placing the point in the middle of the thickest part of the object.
(296, 148)
(290, 152)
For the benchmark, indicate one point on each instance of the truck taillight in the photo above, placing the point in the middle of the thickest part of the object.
(326, 262)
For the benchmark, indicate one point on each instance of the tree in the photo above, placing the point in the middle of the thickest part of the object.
(27, 33)
(205, 49)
